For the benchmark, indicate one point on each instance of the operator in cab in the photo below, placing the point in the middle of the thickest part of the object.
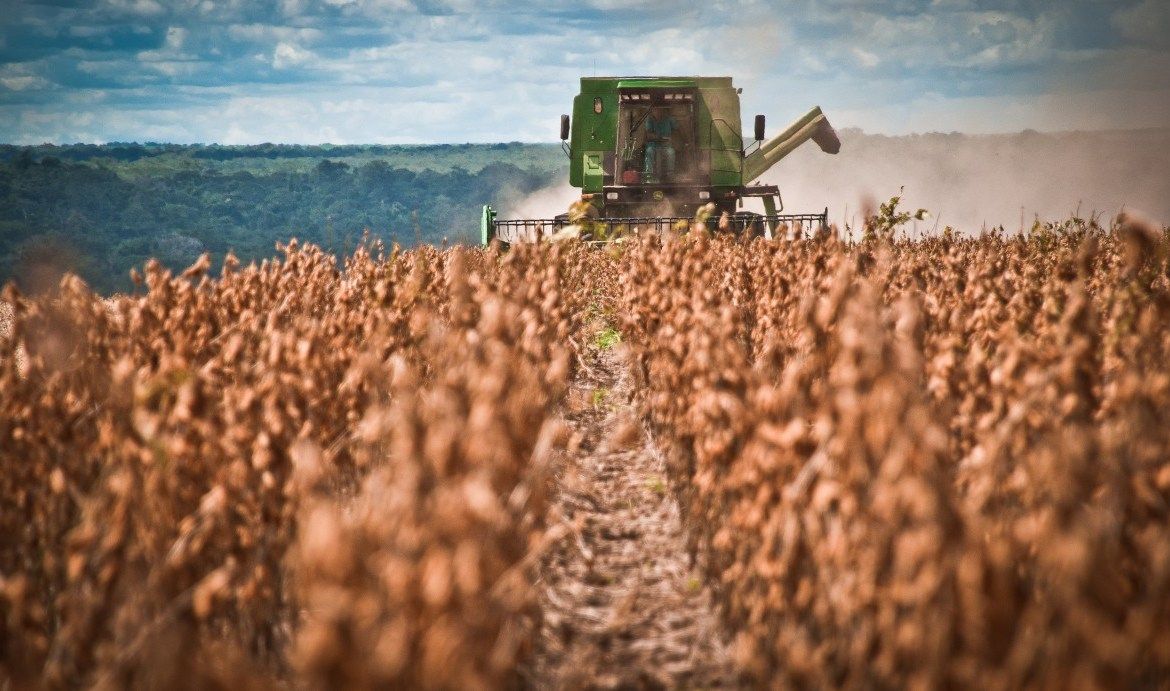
(658, 165)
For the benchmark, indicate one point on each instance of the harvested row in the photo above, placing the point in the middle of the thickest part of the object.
(296, 471)
(920, 463)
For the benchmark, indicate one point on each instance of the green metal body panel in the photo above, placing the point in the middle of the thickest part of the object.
(593, 170)
(657, 83)
(487, 225)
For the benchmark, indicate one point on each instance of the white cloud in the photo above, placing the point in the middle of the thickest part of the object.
(236, 134)
(292, 8)
(88, 31)
(24, 82)
(87, 98)
(481, 64)
(865, 58)
(175, 38)
(171, 68)
(264, 33)
(145, 8)
(24, 76)
(95, 66)
(170, 58)
(289, 55)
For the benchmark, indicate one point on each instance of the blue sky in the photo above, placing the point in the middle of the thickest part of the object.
(406, 71)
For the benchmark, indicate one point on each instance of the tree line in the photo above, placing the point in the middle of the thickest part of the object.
(61, 211)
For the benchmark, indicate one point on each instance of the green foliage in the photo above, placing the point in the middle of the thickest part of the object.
(599, 396)
(888, 219)
(583, 215)
(1048, 235)
(104, 209)
(607, 338)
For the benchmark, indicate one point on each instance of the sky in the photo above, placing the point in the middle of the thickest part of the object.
(421, 71)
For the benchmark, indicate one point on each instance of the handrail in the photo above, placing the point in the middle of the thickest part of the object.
(534, 229)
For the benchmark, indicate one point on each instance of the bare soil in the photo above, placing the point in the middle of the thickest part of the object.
(623, 604)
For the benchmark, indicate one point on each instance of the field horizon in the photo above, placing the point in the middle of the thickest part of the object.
(99, 210)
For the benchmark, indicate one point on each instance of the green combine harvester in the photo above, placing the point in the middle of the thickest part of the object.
(648, 153)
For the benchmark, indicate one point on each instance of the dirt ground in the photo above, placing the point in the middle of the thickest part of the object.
(623, 606)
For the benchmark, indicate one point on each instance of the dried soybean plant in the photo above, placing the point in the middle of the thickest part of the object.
(185, 471)
(921, 463)
(935, 462)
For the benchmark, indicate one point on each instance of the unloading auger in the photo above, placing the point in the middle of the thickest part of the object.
(648, 153)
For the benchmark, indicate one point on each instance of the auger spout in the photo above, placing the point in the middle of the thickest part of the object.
(814, 125)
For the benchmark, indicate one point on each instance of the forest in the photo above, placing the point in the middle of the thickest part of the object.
(101, 210)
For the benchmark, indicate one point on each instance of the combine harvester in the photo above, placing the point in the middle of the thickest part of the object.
(648, 153)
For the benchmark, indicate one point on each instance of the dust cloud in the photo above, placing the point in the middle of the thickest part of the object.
(543, 203)
(971, 182)
(968, 182)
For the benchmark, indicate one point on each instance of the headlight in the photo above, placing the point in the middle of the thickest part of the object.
(704, 194)
(611, 195)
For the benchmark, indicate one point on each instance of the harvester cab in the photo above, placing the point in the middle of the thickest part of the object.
(656, 138)
(648, 153)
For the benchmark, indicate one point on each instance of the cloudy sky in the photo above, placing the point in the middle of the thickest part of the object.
(399, 71)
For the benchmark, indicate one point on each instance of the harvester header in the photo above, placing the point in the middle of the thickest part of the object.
(649, 152)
